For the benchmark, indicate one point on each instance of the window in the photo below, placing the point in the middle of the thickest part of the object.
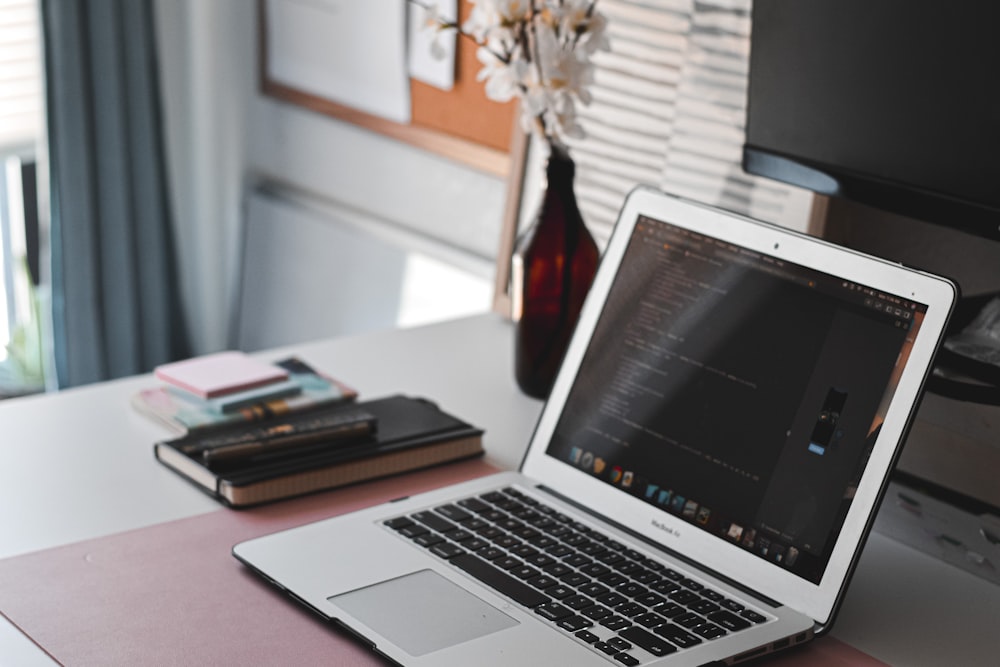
(20, 130)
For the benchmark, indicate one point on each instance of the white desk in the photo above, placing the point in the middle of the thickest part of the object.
(79, 465)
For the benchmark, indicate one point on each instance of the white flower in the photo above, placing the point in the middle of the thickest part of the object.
(539, 52)
(503, 81)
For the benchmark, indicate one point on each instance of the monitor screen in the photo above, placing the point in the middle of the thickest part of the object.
(892, 103)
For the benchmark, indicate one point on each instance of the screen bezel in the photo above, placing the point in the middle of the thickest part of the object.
(819, 601)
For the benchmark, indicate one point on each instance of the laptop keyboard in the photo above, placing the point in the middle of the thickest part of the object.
(607, 595)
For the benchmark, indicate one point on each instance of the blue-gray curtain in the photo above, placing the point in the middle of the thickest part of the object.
(116, 303)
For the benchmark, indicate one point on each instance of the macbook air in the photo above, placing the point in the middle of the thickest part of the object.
(701, 480)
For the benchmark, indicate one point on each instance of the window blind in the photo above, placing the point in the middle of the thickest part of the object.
(20, 74)
(668, 110)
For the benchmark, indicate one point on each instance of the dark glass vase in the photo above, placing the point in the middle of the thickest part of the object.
(554, 264)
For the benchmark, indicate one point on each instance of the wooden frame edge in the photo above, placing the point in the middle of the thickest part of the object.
(519, 143)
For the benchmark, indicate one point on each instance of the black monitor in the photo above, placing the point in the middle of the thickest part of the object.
(890, 103)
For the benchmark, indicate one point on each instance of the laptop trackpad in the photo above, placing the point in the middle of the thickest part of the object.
(423, 612)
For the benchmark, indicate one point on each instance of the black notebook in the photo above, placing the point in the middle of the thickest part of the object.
(367, 440)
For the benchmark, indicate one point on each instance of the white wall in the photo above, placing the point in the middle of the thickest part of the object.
(223, 136)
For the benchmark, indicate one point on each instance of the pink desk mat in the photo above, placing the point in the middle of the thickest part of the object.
(172, 594)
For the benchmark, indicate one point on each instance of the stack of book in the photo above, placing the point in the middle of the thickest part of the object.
(231, 387)
(256, 432)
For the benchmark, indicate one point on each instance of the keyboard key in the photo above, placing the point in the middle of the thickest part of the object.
(516, 590)
(666, 587)
(527, 533)
(729, 620)
(490, 533)
(475, 544)
(684, 596)
(507, 563)
(556, 569)
(553, 611)
(614, 546)
(524, 551)
(542, 523)
(627, 659)
(523, 572)
(676, 635)
(454, 513)
(507, 542)
(578, 602)
(458, 535)
(510, 524)
(691, 584)
(593, 590)
(704, 607)
(474, 525)
(649, 620)
(634, 555)
(574, 623)
(490, 553)
(605, 647)
(474, 505)
(541, 560)
(630, 609)
(594, 570)
(619, 644)
(559, 551)
(433, 521)
(709, 631)
(527, 515)
(612, 579)
(688, 620)
(636, 571)
(413, 531)
(398, 523)
(669, 609)
(715, 596)
(446, 550)
(731, 605)
(647, 641)
(649, 599)
(557, 530)
(611, 599)
(543, 542)
(559, 591)
(632, 590)
(615, 622)
(428, 539)
(587, 636)
(541, 582)
(596, 612)
(751, 615)
(574, 579)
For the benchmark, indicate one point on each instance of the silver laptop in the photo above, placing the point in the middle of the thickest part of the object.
(700, 482)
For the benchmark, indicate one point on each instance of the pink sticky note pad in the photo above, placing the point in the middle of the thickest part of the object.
(219, 374)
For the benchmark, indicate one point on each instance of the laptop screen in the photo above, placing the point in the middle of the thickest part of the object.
(737, 391)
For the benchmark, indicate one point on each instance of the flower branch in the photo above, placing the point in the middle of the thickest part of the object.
(538, 51)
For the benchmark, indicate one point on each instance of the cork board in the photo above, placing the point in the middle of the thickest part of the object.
(461, 124)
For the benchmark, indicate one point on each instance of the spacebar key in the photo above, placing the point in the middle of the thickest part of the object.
(504, 583)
